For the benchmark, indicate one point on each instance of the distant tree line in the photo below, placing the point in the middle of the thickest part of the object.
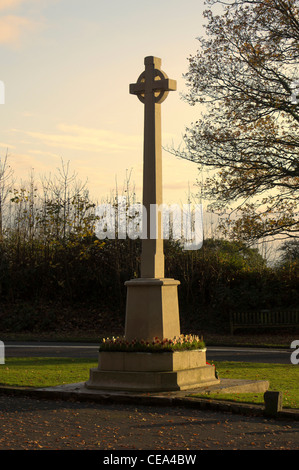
(50, 255)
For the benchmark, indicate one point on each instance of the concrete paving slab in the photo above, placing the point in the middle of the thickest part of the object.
(224, 386)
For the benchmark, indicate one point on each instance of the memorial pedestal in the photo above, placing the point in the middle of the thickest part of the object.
(152, 309)
(152, 372)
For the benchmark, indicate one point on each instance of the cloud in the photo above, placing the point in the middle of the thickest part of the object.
(14, 25)
(6, 146)
(9, 4)
(85, 139)
(13, 28)
(14, 4)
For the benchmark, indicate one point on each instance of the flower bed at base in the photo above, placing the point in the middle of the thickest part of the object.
(178, 343)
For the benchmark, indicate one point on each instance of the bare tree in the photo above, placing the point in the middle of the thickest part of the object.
(6, 173)
(242, 77)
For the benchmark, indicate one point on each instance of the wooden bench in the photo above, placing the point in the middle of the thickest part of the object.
(264, 319)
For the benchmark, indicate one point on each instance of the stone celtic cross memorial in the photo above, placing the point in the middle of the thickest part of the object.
(152, 88)
(152, 300)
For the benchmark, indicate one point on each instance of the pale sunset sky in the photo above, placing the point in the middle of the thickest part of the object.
(67, 65)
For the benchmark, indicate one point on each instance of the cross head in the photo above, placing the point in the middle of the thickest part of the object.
(152, 82)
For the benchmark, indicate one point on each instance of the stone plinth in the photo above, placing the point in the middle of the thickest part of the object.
(150, 372)
(152, 309)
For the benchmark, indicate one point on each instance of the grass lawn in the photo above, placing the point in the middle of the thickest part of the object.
(282, 377)
(47, 372)
(44, 371)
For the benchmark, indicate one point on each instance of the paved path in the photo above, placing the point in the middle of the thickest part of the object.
(27, 423)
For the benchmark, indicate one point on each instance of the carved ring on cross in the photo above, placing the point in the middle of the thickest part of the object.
(160, 93)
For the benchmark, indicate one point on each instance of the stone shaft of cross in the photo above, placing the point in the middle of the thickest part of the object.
(152, 88)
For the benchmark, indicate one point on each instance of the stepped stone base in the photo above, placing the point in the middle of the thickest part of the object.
(150, 372)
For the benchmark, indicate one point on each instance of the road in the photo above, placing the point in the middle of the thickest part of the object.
(80, 350)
